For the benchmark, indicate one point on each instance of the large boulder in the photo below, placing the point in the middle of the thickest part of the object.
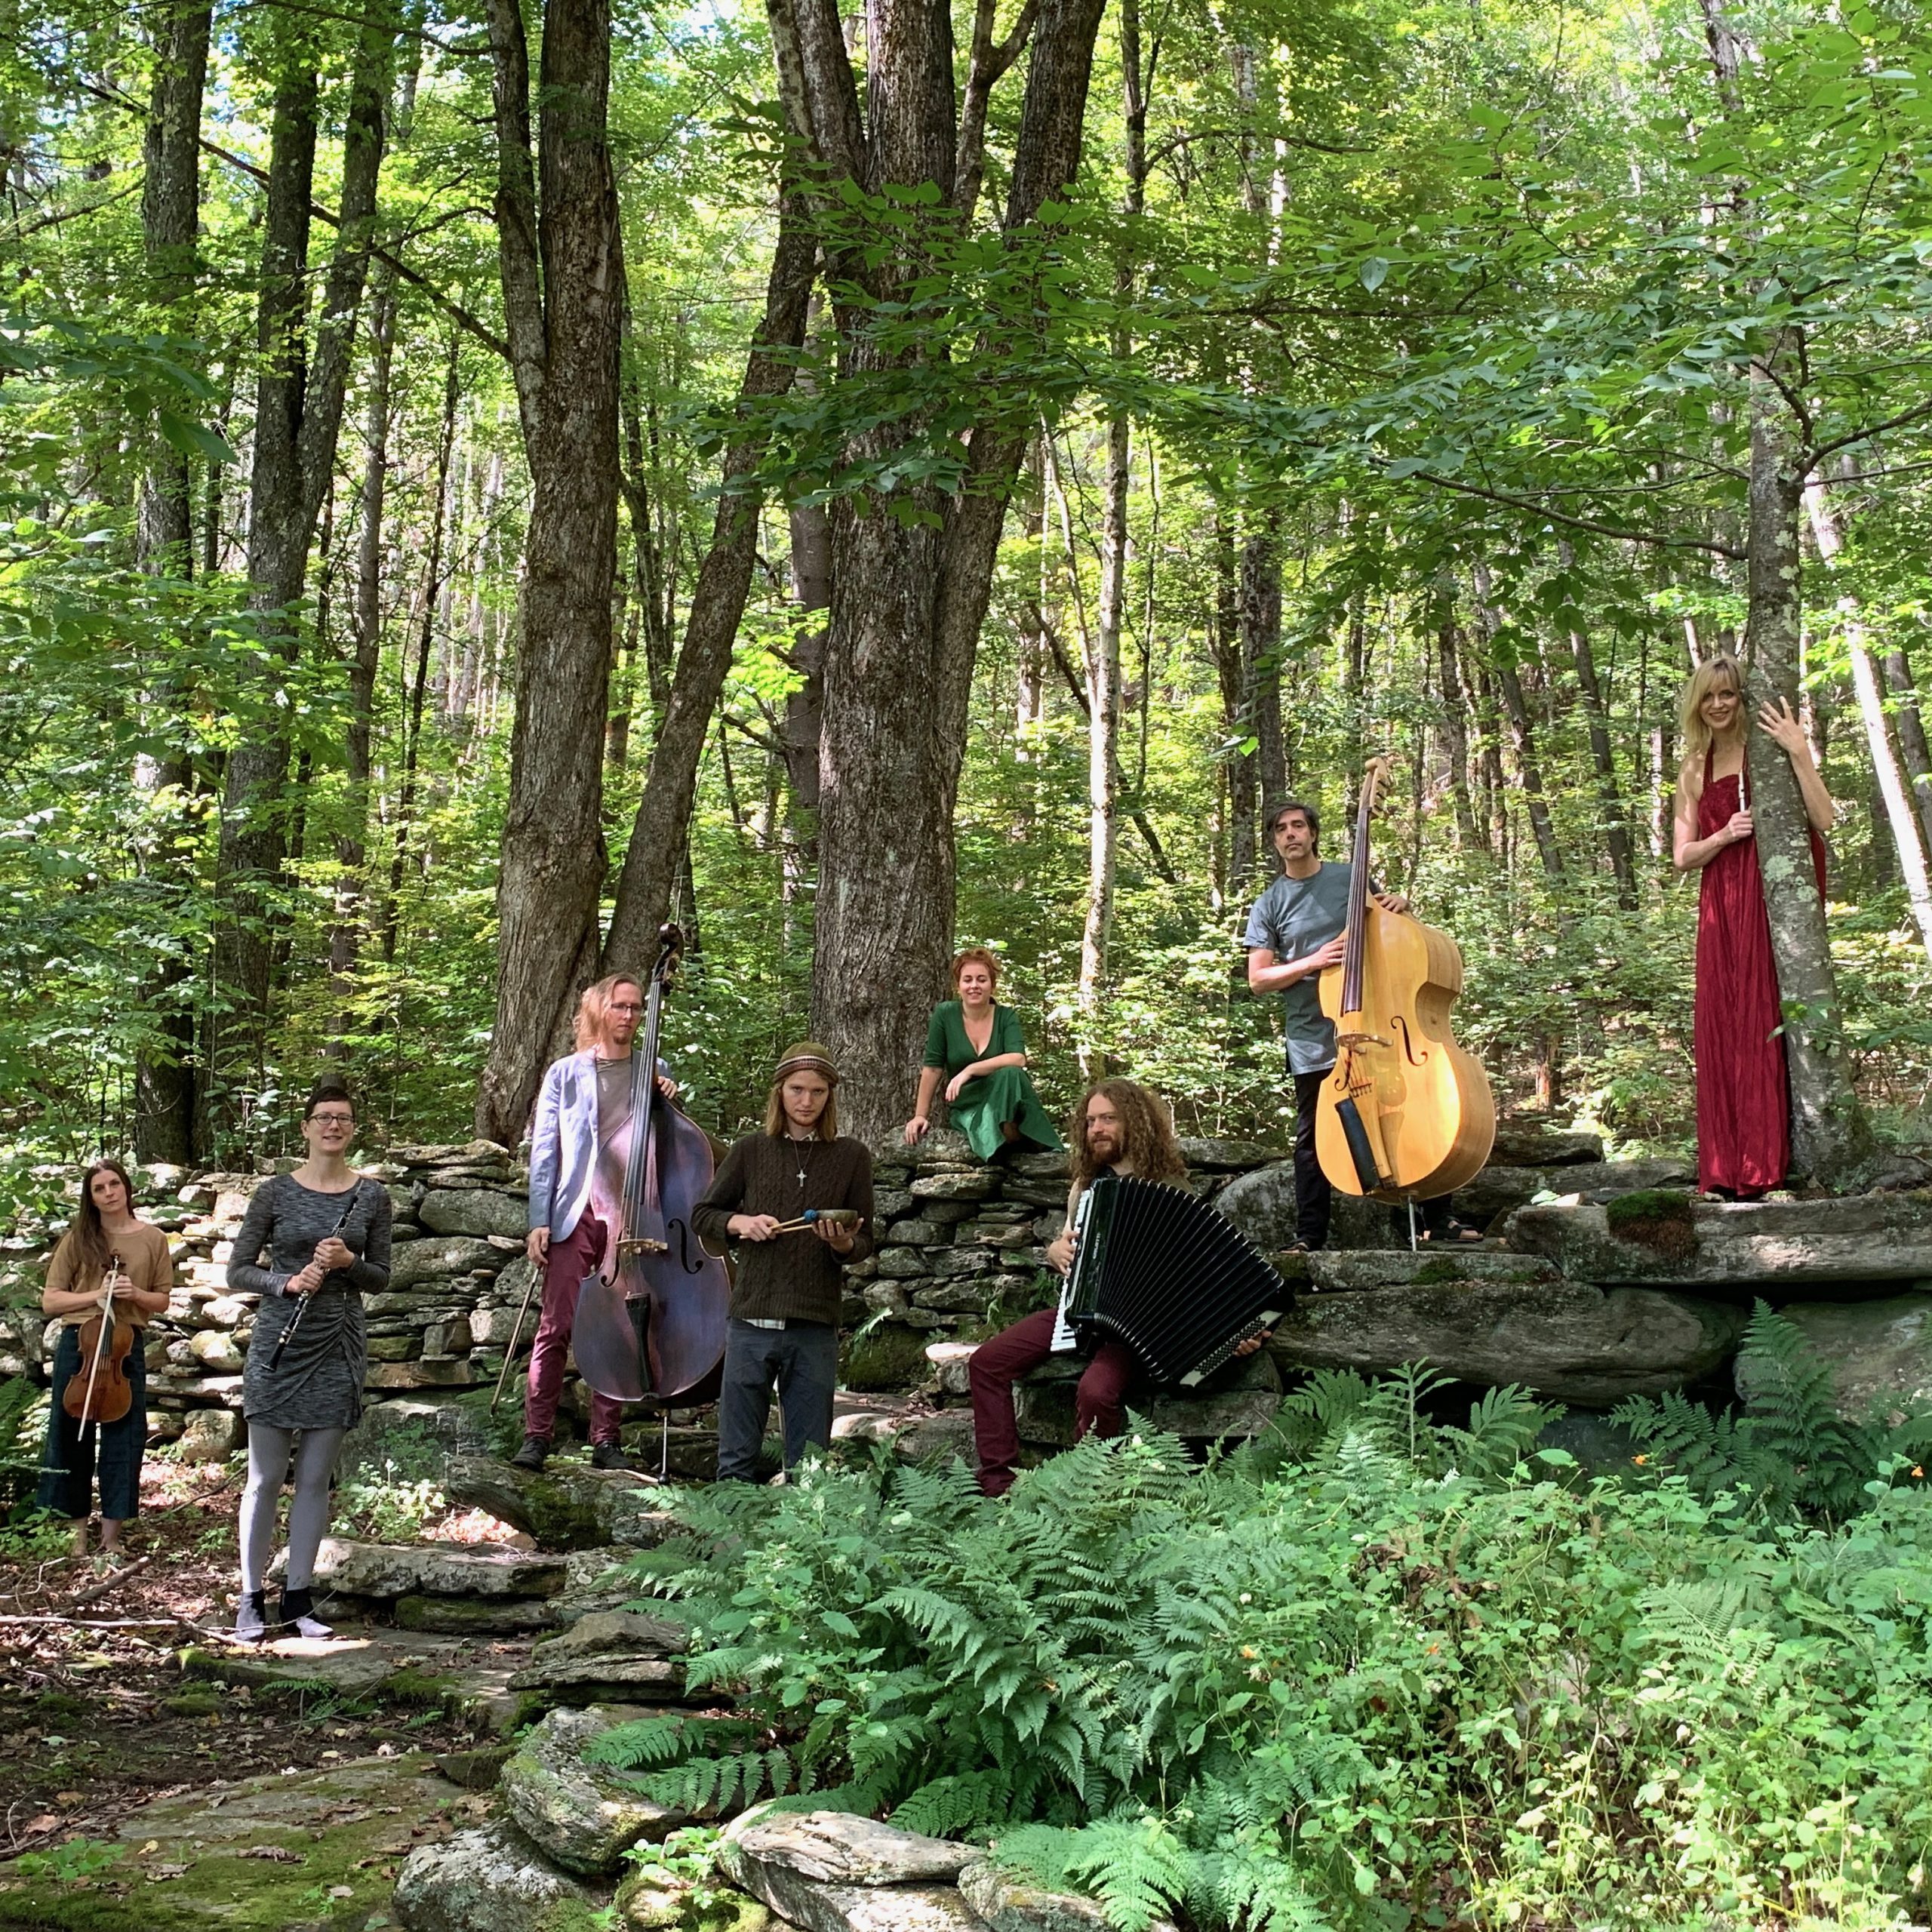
(491, 1879)
(401, 1437)
(1567, 1339)
(829, 1871)
(439, 1256)
(1262, 1204)
(1767, 1247)
(442, 1570)
(1008, 1904)
(1879, 1351)
(577, 1815)
(568, 1505)
(478, 1211)
(1524, 1141)
(1397, 1267)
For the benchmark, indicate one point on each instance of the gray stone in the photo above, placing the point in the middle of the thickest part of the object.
(1040, 1167)
(950, 1360)
(474, 1211)
(948, 1213)
(229, 1311)
(1226, 1156)
(492, 1879)
(1567, 1339)
(400, 1436)
(578, 1816)
(956, 1297)
(478, 1616)
(889, 1203)
(1499, 1190)
(756, 1854)
(608, 1657)
(214, 1348)
(915, 1234)
(1879, 1351)
(973, 1184)
(444, 1569)
(1007, 1904)
(1526, 1141)
(902, 1264)
(949, 1263)
(940, 1436)
(567, 1507)
(443, 1254)
(840, 1847)
(211, 1435)
(1760, 1246)
(455, 1374)
(1396, 1267)
(1239, 1402)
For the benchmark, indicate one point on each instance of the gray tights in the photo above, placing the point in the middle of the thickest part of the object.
(308, 1509)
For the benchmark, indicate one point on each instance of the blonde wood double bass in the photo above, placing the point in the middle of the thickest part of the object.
(1406, 1114)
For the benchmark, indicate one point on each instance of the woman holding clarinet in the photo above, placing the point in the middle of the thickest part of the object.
(312, 1243)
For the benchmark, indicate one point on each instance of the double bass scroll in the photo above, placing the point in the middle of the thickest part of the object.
(1405, 1114)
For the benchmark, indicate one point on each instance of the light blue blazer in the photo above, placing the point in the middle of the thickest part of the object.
(563, 1144)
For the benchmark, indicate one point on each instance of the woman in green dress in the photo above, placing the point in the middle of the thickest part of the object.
(975, 1046)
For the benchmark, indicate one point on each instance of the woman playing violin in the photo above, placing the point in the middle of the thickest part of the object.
(83, 1281)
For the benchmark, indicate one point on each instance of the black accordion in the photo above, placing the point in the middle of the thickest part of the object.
(1156, 1269)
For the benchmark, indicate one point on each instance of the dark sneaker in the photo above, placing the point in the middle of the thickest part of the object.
(534, 1453)
(297, 1609)
(251, 1622)
(608, 1456)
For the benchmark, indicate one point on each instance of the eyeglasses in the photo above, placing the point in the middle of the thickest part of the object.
(624, 1006)
(331, 1119)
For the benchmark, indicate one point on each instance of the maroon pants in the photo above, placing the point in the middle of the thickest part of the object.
(1099, 1404)
(564, 1267)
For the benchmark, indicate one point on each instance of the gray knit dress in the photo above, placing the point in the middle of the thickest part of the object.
(317, 1384)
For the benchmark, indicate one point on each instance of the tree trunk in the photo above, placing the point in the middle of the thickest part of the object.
(1261, 651)
(561, 257)
(1897, 802)
(1831, 1140)
(1911, 734)
(1455, 731)
(165, 546)
(298, 413)
(1615, 824)
(1233, 672)
(1103, 741)
(909, 582)
(657, 849)
(803, 725)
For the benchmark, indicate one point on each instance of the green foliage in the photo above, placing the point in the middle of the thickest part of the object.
(1378, 1667)
(1788, 1448)
(72, 1860)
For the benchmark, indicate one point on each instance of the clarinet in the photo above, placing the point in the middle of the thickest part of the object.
(288, 1335)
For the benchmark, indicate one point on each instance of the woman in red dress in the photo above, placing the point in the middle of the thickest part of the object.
(1744, 1100)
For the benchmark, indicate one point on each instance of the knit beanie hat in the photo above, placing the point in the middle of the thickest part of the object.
(807, 1056)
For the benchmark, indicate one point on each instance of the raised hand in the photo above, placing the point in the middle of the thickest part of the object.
(1779, 721)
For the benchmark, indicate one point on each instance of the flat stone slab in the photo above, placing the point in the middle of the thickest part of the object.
(489, 1879)
(1753, 1245)
(444, 1569)
(608, 1657)
(1568, 1340)
(578, 1816)
(1341, 1270)
(827, 1872)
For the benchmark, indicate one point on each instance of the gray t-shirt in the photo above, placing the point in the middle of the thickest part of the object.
(1293, 917)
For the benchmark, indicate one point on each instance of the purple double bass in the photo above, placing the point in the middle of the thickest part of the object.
(649, 1322)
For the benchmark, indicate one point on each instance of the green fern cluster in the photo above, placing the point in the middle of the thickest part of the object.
(1788, 1447)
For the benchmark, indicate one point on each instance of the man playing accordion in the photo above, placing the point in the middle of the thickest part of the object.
(1119, 1127)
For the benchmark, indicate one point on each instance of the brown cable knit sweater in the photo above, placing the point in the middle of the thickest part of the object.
(796, 1276)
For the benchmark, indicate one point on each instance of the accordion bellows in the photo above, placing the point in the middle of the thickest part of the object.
(1164, 1273)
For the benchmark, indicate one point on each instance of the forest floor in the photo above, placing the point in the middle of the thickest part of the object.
(96, 1713)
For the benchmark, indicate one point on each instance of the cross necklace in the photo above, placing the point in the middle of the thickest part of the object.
(802, 1148)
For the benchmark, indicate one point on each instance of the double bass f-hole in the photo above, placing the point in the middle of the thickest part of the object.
(682, 1228)
(1399, 1025)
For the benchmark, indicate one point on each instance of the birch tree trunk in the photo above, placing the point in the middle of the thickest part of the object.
(1455, 732)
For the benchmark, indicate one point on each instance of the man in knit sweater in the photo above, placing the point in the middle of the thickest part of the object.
(784, 1324)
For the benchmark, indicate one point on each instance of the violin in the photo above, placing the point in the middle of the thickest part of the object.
(1405, 1114)
(106, 1343)
(651, 1322)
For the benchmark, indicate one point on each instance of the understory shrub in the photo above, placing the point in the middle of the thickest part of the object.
(1371, 1672)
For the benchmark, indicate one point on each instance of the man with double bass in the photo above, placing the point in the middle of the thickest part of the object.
(585, 1099)
(1296, 929)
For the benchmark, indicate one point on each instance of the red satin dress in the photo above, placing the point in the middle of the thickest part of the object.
(1743, 1094)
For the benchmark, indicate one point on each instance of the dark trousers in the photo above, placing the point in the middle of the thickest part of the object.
(1100, 1403)
(802, 1359)
(564, 1267)
(112, 1449)
(1314, 1195)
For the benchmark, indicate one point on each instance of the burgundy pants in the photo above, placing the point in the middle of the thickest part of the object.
(564, 1267)
(1099, 1404)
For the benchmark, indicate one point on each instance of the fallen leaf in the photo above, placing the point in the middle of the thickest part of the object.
(42, 1821)
(342, 1891)
(157, 1872)
(68, 1797)
(279, 1854)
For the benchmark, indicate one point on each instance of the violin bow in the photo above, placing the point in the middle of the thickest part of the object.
(282, 1340)
(516, 1337)
(103, 1342)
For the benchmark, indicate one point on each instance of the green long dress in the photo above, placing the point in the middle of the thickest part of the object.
(1004, 1094)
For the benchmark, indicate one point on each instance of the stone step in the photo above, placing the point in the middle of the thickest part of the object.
(439, 1570)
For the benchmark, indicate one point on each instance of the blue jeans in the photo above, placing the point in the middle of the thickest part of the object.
(802, 1358)
(113, 1450)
